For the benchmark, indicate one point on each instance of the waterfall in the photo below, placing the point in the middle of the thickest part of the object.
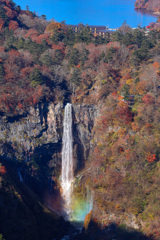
(75, 207)
(67, 159)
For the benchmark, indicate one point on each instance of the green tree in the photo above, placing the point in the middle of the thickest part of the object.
(46, 60)
(36, 77)
(3, 15)
(128, 39)
(109, 55)
(69, 37)
(43, 16)
(58, 57)
(76, 76)
(74, 57)
(84, 35)
(84, 56)
(138, 36)
(117, 36)
(2, 73)
(18, 8)
(58, 36)
(125, 92)
(27, 8)
(20, 43)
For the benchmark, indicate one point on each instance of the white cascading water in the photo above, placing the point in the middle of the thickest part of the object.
(67, 159)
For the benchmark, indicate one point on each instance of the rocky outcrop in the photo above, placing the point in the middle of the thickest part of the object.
(83, 122)
(43, 125)
(37, 137)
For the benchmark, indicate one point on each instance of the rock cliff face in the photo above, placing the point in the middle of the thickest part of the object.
(83, 122)
(41, 126)
(149, 5)
(36, 138)
(30, 148)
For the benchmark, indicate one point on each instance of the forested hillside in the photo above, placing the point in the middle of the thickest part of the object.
(46, 62)
(150, 5)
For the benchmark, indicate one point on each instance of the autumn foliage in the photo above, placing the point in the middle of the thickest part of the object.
(115, 78)
(151, 157)
(2, 170)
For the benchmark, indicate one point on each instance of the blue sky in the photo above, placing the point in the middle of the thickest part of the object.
(106, 12)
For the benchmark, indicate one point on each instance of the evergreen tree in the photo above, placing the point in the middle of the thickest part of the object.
(36, 77)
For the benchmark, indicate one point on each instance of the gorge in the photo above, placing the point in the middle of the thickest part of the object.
(78, 111)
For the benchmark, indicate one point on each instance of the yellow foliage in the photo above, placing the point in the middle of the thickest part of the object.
(129, 81)
(122, 131)
(135, 126)
(87, 220)
(54, 26)
(118, 207)
(132, 90)
(141, 88)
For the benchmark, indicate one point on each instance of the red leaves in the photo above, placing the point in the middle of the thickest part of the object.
(121, 149)
(13, 53)
(2, 48)
(25, 71)
(151, 157)
(41, 37)
(13, 25)
(10, 13)
(148, 99)
(2, 170)
(32, 33)
(124, 113)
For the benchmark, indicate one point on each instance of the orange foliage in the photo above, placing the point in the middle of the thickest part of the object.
(9, 12)
(151, 157)
(124, 113)
(148, 99)
(25, 71)
(60, 46)
(14, 53)
(114, 94)
(113, 45)
(141, 87)
(156, 65)
(55, 26)
(120, 98)
(13, 25)
(41, 37)
(32, 33)
(135, 126)
(2, 170)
